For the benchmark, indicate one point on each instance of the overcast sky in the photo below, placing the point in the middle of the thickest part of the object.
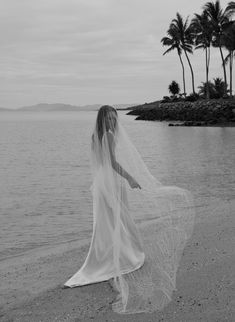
(91, 51)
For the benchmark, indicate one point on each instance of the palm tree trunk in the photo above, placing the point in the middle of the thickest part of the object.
(207, 72)
(209, 56)
(193, 87)
(183, 73)
(223, 62)
(231, 73)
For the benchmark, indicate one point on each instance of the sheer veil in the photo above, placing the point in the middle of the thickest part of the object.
(140, 226)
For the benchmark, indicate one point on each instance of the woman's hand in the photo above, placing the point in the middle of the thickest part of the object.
(133, 183)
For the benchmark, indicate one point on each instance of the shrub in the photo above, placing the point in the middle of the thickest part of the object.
(166, 99)
(192, 97)
(203, 88)
(217, 89)
(174, 88)
(220, 88)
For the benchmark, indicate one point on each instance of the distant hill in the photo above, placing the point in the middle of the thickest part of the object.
(67, 107)
(57, 107)
(3, 109)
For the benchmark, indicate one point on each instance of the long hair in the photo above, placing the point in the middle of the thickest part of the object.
(103, 122)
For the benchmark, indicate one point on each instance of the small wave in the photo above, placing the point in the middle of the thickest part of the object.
(33, 214)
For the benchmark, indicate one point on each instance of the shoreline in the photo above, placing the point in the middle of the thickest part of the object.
(217, 112)
(25, 276)
(41, 250)
(201, 124)
(33, 290)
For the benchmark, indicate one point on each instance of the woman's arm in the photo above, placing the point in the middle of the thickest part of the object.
(117, 167)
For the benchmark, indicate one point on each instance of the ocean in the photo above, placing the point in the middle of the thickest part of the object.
(45, 173)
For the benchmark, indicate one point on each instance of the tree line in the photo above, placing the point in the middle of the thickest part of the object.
(213, 27)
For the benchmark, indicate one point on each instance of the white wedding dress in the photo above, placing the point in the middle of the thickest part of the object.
(141, 258)
(99, 265)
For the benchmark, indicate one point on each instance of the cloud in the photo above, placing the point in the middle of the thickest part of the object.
(84, 47)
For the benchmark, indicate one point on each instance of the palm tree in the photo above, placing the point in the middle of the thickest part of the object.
(173, 42)
(184, 31)
(229, 35)
(230, 8)
(202, 30)
(228, 41)
(218, 18)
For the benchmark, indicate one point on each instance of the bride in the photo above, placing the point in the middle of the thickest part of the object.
(140, 227)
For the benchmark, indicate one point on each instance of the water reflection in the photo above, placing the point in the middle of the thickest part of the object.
(45, 174)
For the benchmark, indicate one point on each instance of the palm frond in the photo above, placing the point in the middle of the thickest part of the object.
(169, 50)
(185, 25)
(166, 41)
(228, 36)
(230, 9)
(188, 48)
(227, 58)
(201, 46)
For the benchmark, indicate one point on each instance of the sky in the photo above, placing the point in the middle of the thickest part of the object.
(92, 51)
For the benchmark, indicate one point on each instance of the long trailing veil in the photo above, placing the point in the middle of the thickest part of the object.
(138, 234)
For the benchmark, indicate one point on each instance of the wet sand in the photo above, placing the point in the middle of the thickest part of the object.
(31, 287)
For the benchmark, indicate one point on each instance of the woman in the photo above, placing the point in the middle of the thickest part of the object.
(142, 261)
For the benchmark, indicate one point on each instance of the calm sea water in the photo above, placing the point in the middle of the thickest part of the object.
(45, 175)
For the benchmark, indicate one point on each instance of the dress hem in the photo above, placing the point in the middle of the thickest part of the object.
(107, 278)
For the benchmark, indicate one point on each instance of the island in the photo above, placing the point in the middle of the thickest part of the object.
(199, 113)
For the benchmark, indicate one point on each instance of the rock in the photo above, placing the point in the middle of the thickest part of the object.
(211, 122)
(199, 113)
(189, 123)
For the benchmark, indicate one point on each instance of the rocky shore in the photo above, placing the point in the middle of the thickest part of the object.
(199, 113)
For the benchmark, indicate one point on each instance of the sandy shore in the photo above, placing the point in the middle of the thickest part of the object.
(31, 286)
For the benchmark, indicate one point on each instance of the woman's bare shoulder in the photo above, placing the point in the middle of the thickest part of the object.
(110, 139)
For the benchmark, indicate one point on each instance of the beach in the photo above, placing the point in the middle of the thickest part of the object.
(46, 220)
(71, 71)
(32, 290)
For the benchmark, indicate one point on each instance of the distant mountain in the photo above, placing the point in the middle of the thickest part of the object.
(57, 107)
(67, 107)
(3, 109)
